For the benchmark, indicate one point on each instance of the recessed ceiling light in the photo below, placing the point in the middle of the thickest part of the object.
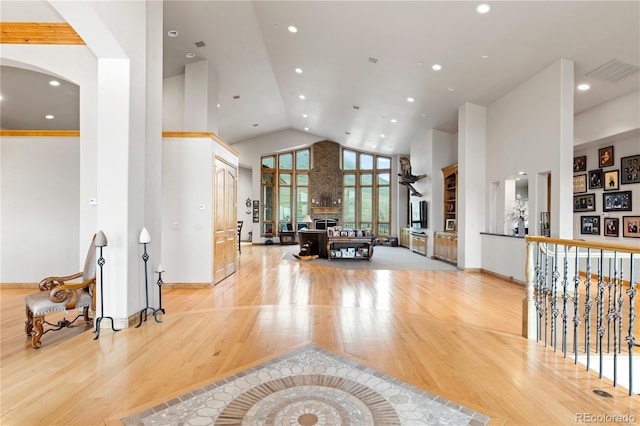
(306, 128)
(299, 70)
(424, 115)
(302, 97)
(382, 135)
(421, 63)
(521, 173)
(49, 117)
(292, 29)
(218, 105)
(1, 97)
(190, 55)
(483, 8)
(54, 83)
(305, 115)
(436, 67)
(451, 89)
(393, 120)
(484, 55)
(173, 33)
(584, 86)
(410, 99)
(276, 26)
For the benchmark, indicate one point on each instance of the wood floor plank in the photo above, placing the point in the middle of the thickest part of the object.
(452, 333)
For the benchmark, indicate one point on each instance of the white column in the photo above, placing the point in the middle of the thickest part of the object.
(472, 185)
(113, 182)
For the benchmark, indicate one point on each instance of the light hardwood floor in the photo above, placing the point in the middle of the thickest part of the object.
(453, 333)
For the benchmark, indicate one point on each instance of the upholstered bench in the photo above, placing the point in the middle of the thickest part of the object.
(57, 295)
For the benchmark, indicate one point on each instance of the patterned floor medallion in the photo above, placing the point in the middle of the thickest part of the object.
(308, 387)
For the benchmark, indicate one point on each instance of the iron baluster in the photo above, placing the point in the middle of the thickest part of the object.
(601, 329)
(565, 296)
(554, 307)
(620, 305)
(576, 305)
(631, 341)
(588, 304)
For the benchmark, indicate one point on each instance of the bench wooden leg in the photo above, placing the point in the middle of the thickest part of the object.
(38, 331)
(28, 324)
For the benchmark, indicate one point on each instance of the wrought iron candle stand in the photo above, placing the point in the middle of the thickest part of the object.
(101, 241)
(160, 270)
(144, 239)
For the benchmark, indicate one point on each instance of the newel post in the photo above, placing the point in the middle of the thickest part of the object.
(528, 303)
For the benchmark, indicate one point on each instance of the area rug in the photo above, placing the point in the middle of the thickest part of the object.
(384, 258)
(309, 386)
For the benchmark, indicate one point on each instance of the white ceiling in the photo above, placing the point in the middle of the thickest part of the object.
(254, 55)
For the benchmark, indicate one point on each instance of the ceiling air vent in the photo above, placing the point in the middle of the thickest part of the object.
(200, 44)
(236, 96)
(373, 60)
(613, 70)
(356, 107)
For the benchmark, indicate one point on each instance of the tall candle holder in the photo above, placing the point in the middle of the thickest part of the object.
(144, 239)
(160, 270)
(101, 241)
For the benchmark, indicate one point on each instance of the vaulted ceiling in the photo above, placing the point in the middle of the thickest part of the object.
(362, 60)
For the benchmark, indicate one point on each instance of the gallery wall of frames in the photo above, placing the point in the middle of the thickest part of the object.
(606, 191)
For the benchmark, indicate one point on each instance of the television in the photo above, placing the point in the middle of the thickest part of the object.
(419, 214)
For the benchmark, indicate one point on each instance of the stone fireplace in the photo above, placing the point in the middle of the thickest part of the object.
(326, 182)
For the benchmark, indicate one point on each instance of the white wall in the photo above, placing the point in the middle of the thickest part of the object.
(187, 176)
(505, 256)
(173, 104)
(78, 65)
(611, 118)
(40, 208)
(245, 177)
(530, 130)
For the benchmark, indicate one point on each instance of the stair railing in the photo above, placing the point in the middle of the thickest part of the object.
(582, 294)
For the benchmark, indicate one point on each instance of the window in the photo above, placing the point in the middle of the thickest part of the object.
(285, 190)
(366, 191)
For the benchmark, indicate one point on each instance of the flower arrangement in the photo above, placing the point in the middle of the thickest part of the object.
(520, 212)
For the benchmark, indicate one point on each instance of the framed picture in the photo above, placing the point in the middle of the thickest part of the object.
(630, 169)
(631, 226)
(611, 180)
(611, 226)
(584, 203)
(580, 164)
(595, 179)
(256, 211)
(605, 156)
(450, 225)
(616, 201)
(579, 184)
(590, 225)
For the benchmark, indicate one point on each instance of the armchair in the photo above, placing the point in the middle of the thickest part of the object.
(58, 295)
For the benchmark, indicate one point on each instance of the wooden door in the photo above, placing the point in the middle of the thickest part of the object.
(224, 220)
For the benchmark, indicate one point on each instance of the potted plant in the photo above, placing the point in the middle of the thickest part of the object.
(519, 215)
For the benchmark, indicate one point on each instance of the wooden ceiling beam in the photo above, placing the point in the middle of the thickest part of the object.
(38, 33)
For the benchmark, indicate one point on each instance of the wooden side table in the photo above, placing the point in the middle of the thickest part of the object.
(288, 238)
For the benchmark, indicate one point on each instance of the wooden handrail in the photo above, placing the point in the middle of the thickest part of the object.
(586, 244)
